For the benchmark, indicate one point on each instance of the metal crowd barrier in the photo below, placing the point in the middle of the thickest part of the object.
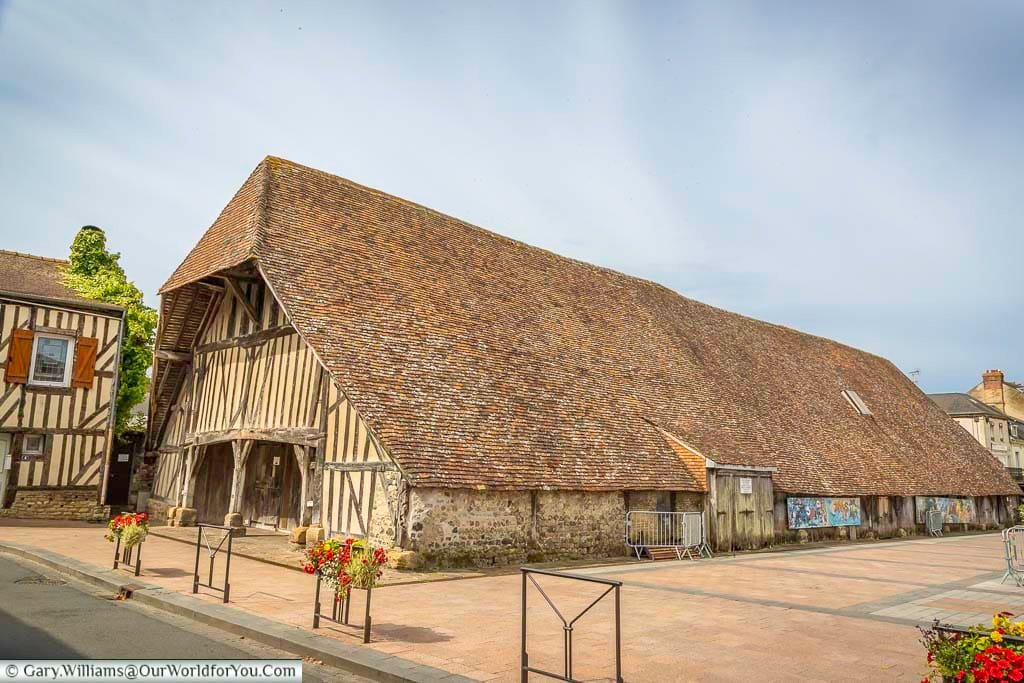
(682, 531)
(202, 537)
(1013, 542)
(933, 521)
(568, 625)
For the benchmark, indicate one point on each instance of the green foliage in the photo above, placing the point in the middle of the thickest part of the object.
(96, 273)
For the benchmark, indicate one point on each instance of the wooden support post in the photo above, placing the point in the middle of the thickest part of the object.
(185, 495)
(302, 454)
(240, 450)
(320, 453)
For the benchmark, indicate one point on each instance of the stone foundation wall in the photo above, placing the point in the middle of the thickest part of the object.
(57, 503)
(386, 500)
(463, 527)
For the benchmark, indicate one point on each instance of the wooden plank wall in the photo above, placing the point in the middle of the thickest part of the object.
(74, 421)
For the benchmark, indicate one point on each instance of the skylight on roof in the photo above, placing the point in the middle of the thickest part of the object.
(856, 401)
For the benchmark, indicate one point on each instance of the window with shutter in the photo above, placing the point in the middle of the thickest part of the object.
(85, 362)
(51, 360)
(19, 357)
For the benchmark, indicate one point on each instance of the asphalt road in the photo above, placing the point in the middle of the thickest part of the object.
(46, 615)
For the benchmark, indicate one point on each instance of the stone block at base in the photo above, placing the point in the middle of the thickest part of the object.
(314, 535)
(234, 520)
(186, 517)
(403, 559)
(298, 535)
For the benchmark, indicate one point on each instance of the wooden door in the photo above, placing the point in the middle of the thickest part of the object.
(743, 511)
(120, 479)
(263, 482)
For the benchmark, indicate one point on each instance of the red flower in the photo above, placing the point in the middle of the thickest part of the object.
(309, 569)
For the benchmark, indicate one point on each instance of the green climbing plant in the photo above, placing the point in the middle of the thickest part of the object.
(96, 273)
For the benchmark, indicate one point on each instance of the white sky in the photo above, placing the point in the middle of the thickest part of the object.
(854, 170)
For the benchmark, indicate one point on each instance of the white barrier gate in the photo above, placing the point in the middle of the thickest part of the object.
(682, 531)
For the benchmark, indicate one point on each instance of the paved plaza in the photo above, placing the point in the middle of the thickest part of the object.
(845, 612)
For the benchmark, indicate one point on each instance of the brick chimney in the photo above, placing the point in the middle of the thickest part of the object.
(992, 380)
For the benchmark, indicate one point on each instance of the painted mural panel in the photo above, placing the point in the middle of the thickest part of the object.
(955, 510)
(813, 513)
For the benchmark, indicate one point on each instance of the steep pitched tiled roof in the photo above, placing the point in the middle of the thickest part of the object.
(482, 361)
(36, 276)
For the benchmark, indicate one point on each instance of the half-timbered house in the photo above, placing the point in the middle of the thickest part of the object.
(335, 357)
(59, 355)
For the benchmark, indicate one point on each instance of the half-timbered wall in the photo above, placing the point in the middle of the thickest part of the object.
(263, 382)
(75, 421)
(363, 500)
(170, 465)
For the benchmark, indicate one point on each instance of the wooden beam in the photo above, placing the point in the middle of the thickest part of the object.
(246, 340)
(173, 356)
(303, 436)
(236, 289)
(361, 466)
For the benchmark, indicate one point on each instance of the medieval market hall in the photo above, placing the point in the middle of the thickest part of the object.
(333, 360)
(59, 356)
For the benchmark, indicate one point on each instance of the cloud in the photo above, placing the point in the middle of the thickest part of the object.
(854, 171)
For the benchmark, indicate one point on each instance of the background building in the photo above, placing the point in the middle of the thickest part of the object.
(59, 353)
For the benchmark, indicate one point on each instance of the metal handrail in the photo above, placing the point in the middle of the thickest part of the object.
(568, 625)
(682, 531)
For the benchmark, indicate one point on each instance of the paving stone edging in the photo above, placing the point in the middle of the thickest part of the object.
(372, 664)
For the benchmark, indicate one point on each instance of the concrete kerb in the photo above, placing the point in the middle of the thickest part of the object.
(361, 661)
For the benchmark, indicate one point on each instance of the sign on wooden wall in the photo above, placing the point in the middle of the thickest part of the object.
(955, 510)
(813, 513)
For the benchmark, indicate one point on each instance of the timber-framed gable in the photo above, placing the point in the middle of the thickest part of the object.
(258, 433)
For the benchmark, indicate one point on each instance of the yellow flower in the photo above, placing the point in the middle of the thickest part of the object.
(996, 637)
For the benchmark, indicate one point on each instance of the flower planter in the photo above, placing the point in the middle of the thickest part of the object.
(344, 567)
(128, 531)
(340, 605)
(124, 555)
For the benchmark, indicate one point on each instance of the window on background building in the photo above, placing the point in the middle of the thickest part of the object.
(51, 361)
(32, 444)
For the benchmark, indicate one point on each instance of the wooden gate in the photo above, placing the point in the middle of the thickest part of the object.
(743, 516)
